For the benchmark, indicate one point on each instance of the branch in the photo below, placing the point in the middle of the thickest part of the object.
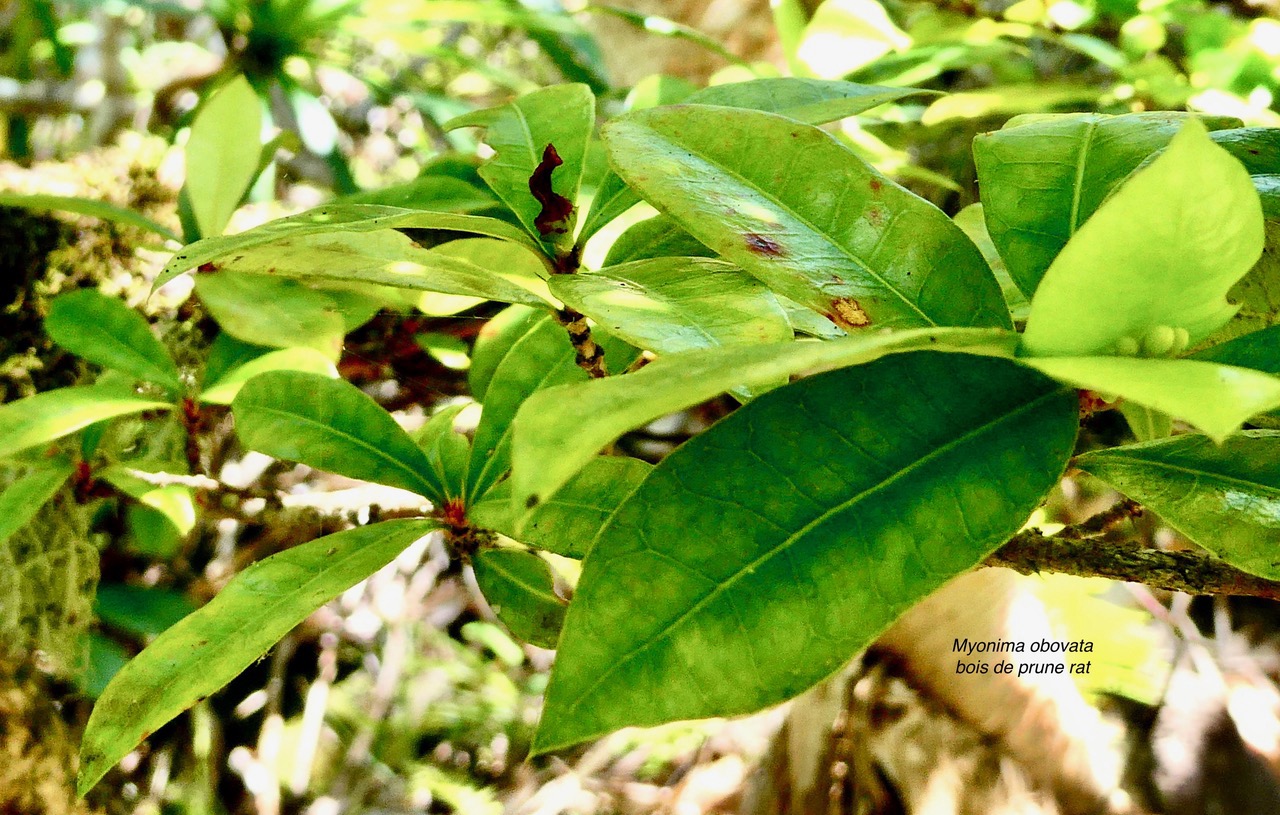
(1190, 572)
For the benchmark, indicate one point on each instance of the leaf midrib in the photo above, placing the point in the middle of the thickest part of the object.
(163, 365)
(1189, 471)
(786, 544)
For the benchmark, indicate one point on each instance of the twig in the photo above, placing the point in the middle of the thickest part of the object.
(590, 356)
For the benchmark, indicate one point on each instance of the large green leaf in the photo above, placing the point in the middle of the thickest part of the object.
(761, 555)
(21, 500)
(520, 588)
(560, 429)
(334, 218)
(1162, 251)
(53, 414)
(1215, 398)
(209, 648)
(332, 425)
(494, 342)
(104, 330)
(669, 305)
(306, 360)
(1041, 181)
(655, 237)
(1224, 496)
(86, 206)
(386, 258)
(273, 311)
(808, 100)
(797, 209)
(222, 153)
(520, 131)
(568, 523)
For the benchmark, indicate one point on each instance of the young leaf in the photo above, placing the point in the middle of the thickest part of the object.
(21, 500)
(334, 218)
(1041, 181)
(1162, 251)
(519, 588)
(209, 648)
(1215, 398)
(448, 450)
(655, 237)
(266, 310)
(1224, 496)
(222, 153)
(104, 330)
(494, 342)
(560, 429)
(568, 523)
(738, 574)
(386, 258)
(670, 305)
(53, 414)
(795, 208)
(524, 134)
(807, 100)
(86, 206)
(331, 425)
(304, 360)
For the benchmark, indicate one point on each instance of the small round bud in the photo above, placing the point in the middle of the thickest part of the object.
(1181, 339)
(1128, 347)
(1158, 341)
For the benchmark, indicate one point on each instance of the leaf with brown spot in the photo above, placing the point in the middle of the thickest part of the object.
(556, 209)
(846, 313)
(762, 245)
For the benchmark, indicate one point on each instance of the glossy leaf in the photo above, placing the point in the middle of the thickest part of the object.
(331, 425)
(520, 588)
(1162, 251)
(448, 451)
(304, 360)
(265, 310)
(845, 35)
(209, 648)
(53, 414)
(569, 521)
(737, 558)
(655, 237)
(808, 100)
(519, 132)
(1215, 398)
(386, 258)
(222, 153)
(336, 218)
(23, 498)
(670, 305)
(1224, 496)
(494, 342)
(1042, 180)
(795, 208)
(560, 429)
(104, 330)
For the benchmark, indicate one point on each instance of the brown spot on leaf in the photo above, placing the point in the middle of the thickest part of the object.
(531, 502)
(875, 216)
(876, 185)
(206, 267)
(848, 314)
(556, 209)
(762, 245)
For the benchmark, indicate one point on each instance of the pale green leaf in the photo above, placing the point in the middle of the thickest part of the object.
(222, 153)
(1162, 251)
(520, 589)
(199, 655)
(53, 414)
(305, 360)
(104, 330)
(272, 311)
(560, 429)
(86, 206)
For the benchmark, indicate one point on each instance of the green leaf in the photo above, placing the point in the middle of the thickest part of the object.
(439, 193)
(1224, 496)
(845, 35)
(738, 558)
(1259, 350)
(1041, 181)
(568, 522)
(304, 360)
(560, 429)
(209, 648)
(222, 153)
(971, 221)
(53, 414)
(104, 330)
(670, 305)
(448, 450)
(21, 500)
(144, 612)
(795, 208)
(386, 258)
(520, 588)
(812, 101)
(173, 501)
(333, 218)
(1162, 251)
(271, 311)
(655, 237)
(1215, 398)
(331, 425)
(519, 132)
(86, 206)
(1146, 424)
(494, 342)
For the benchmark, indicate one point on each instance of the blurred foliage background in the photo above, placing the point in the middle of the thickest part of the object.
(405, 695)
